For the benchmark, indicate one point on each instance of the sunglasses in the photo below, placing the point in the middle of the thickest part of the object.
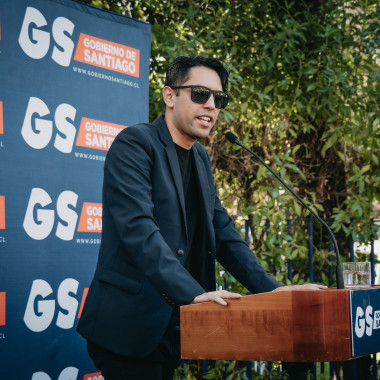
(201, 95)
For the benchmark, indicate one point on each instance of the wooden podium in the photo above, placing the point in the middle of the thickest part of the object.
(289, 326)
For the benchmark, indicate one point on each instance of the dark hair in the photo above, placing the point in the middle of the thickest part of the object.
(178, 71)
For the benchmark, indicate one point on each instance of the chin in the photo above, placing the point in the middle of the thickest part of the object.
(202, 134)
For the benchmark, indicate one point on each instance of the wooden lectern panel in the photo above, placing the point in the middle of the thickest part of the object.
(280, 326)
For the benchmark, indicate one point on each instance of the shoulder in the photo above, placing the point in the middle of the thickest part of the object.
(134, 138)
(143, 133)
(141, 141)
(137, 132)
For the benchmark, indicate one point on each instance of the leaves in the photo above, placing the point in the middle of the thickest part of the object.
(304, 85)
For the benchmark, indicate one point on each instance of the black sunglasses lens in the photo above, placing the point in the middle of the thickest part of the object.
(221, 100)
(200, 94)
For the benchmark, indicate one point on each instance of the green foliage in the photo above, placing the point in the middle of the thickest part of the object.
(304, 84)
(235, 370)
(228, 370)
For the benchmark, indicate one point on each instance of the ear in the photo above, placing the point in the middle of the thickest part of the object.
(168, 95)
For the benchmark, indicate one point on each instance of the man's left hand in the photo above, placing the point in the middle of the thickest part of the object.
(301, 287)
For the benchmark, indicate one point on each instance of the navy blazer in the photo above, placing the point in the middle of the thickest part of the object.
(140, 275)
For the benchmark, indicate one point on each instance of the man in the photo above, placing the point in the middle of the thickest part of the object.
(163, 228)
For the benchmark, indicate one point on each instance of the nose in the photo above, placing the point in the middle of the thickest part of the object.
(210, 102)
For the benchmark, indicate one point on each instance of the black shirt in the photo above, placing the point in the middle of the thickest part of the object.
(192, 203)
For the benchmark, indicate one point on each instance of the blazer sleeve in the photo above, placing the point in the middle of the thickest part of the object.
(127, 194)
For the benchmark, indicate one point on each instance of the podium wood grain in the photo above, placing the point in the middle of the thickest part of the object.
(280, 326)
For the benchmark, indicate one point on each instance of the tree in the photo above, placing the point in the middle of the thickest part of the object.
(305, 96)
(304, 84)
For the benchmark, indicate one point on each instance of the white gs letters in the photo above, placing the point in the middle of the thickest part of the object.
(364, 322)
(41, 227)
(36, 42)
(39, 313)
(39, 135)
(69, 373)
(359, 322)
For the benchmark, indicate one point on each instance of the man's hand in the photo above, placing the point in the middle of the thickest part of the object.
(301, 287)
(216, 296)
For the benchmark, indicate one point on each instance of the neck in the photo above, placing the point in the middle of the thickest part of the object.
(180, 139)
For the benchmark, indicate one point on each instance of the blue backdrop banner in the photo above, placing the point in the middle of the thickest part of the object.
(71, 78)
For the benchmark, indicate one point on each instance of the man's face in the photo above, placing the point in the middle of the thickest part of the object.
(192, 121)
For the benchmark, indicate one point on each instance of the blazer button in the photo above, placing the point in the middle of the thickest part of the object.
(180, 252)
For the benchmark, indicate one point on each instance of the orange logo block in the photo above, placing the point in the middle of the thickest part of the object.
(108, 55)
(2, 212)
(97, 134)
(82, 302)
(1, 118)
(91, 217)
(2, 308)
(93, 376)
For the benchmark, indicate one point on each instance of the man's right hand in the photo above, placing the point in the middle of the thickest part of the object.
(217, 296)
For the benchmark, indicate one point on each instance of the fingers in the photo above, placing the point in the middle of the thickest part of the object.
(226, 294)
(301, 287)
(319, 286)
(217, 296)
(310, 287)
(219, 300)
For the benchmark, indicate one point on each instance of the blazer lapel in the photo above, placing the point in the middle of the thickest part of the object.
(171, 154)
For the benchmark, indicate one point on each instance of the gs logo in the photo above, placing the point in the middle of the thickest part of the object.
(366, 322)
(39, 221)
(69, 373)
(35, 42)
(37, 130)
(40, 310)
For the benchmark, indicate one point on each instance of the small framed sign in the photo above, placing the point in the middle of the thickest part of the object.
(365, 321)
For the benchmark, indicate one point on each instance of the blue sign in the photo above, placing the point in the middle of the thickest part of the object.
(71, 78)
(365, 321)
